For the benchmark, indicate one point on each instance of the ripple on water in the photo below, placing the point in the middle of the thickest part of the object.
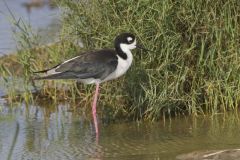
(55, 133)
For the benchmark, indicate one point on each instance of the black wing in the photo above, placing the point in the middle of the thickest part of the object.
(98, 65)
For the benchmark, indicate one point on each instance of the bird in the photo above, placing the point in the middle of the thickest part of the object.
(97, 66)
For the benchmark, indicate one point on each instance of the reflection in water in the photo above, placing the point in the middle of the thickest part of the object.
(57, 133)
(46, 134)
(14, 141)
(38, 4)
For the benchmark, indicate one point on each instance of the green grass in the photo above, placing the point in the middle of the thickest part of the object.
(194, 69)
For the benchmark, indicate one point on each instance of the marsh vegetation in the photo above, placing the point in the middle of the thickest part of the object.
(194, 69)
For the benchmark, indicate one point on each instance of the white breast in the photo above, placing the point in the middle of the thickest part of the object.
(123, 64)
(122, 67)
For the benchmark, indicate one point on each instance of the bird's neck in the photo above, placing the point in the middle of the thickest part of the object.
(123, 51)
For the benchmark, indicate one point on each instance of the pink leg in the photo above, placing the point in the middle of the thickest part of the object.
(94, 111)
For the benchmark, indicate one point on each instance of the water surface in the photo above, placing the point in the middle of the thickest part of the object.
(44, 21)
(56, 132)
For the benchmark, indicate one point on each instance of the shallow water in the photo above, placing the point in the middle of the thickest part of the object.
(55, 132)
(44, 21)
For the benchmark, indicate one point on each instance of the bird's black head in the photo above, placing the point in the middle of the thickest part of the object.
(125, 41)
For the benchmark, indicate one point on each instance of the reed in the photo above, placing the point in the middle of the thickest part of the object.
(194, 70)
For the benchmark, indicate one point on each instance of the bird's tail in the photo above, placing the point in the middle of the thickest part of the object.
(37, 77)
(46, 70)
(42, 71)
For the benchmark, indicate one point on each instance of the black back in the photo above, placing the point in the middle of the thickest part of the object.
(98, 65)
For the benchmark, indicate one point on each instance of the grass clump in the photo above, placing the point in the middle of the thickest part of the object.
(195, 67)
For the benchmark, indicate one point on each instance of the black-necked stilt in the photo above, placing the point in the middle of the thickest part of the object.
(97, 66)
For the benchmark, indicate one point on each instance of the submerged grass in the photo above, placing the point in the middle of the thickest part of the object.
(194, 70)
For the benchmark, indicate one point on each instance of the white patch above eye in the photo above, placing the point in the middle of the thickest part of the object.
(129, 39)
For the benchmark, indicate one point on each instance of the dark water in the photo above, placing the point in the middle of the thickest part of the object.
(43, 19)
(56, 132)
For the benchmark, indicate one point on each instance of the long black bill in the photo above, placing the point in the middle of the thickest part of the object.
(141, 47)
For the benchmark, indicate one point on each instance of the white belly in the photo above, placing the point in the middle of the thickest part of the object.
(89, 81)
(122, 67)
